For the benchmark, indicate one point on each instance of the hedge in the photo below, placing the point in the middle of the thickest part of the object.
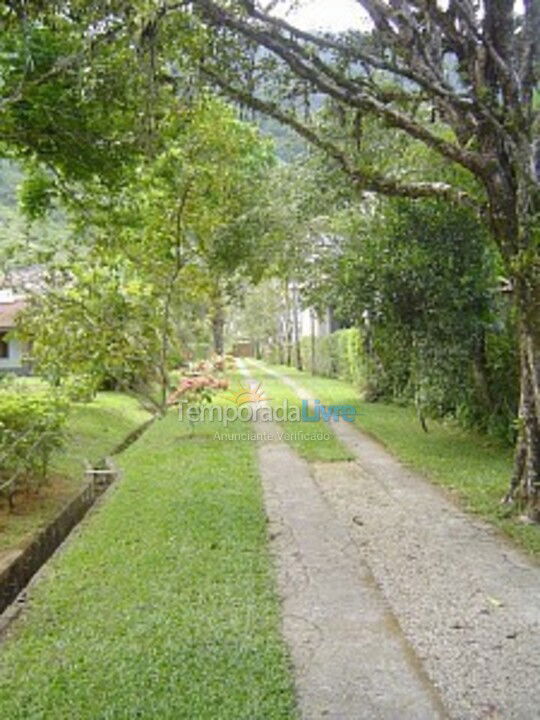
(339, 355)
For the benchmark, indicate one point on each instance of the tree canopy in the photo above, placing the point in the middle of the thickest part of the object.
(112, 109)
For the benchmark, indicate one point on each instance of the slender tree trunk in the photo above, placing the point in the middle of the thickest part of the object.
(288, 324)
(279, 340)
(218, 327)
(313, 344)
(217, 318)
(296, 322)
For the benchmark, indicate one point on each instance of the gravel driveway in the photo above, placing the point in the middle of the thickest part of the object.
(397, 604)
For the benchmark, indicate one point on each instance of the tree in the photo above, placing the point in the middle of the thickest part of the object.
(184, 223)
(196, 212)
(293, 243)
(419, 280)
(66, 101)
(98, 322)
(457, 78)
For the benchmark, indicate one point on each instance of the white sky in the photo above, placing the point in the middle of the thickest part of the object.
(336, 15)
(332, 15)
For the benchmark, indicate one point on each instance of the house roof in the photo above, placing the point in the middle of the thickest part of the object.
(8, 313)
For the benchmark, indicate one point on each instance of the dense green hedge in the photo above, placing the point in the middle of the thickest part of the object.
(337, 355)
(443, 384)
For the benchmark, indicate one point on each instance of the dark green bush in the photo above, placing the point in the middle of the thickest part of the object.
(441, 381)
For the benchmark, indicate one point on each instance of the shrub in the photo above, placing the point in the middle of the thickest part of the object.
(32, 421)
(197, 389)
(80, 388)
(439, 380)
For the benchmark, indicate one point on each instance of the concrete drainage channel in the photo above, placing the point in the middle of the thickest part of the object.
(15, 577)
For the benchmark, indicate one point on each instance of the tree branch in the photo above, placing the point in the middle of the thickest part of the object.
(367, 181)
(342, 89)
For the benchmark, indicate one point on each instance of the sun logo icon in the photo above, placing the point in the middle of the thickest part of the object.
(247, 395)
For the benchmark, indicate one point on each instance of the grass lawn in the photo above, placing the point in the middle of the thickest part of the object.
(302, 435)
(93, 431)
(164, 605)
(471, 465)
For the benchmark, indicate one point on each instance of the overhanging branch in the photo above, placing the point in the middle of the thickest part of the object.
(342, 89)
(363, 180)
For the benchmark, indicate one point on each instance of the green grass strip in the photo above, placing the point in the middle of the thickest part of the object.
(302, 436)
(164, 606)
(96, 428)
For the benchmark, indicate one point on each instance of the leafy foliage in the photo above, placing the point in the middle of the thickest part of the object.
(421, 282)
(71, 111)
(32, 420)
(172, 239)
(98, 322)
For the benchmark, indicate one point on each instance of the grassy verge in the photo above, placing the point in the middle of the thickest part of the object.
(304, 437)
(164, 605)
(474, 467)
(94, 429)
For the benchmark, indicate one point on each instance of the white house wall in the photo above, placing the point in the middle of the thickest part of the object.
(15, 359)
(311, 324)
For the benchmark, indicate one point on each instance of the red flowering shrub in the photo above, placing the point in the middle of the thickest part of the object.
(199, 388)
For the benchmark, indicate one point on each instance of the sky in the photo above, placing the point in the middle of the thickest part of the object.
(324, 15)
(336, 15)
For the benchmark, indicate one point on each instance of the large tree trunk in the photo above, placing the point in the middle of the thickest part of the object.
(514, 195)
(525, 484)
